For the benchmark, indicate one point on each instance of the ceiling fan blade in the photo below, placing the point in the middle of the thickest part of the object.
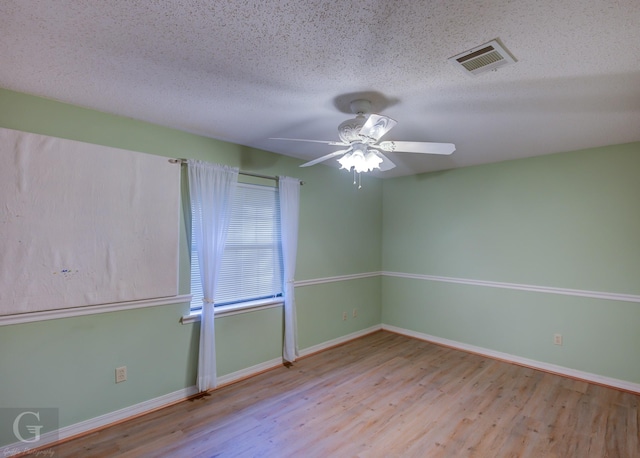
(386, 163)
(325, 157)
(310, 141)
(417, 147)
(376, 126)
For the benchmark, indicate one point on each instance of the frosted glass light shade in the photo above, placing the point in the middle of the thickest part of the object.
(360, 160)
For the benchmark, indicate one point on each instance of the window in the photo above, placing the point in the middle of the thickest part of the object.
(252, 261)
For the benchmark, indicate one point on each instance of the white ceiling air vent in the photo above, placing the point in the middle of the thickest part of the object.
(483, 58)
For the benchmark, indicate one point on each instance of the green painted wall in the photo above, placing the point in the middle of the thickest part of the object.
(335, 299)
(70, 363)
(567, 220)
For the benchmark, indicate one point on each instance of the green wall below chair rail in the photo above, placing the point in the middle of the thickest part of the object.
(321, 309)
(599, 336)
(70, 363)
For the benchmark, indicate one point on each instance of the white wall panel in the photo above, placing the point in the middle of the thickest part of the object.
(83, 224)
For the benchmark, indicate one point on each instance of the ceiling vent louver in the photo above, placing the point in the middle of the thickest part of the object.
(483, 58)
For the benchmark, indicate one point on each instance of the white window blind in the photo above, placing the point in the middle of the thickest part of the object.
(252, 261)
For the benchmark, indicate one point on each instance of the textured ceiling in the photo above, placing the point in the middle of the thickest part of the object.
(244, 71)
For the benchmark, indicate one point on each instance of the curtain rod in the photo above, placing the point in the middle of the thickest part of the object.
(248, 174)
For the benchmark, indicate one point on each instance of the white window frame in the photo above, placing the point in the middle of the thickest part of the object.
(240, 307)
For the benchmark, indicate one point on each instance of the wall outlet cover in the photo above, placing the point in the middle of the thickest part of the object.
(121, 374)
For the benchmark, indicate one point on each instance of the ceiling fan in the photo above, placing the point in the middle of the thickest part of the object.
(361, 136)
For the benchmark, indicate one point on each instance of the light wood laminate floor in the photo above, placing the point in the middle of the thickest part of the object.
(385, 395)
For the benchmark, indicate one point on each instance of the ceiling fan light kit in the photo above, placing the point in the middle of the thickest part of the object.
(360, 160)
(360, 136)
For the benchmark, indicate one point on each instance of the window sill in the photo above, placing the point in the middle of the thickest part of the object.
(235, 309)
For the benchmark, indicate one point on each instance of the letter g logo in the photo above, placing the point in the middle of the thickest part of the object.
(33, 429)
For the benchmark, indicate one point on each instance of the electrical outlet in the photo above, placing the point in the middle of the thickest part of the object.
(557, 339)
(344, 316)
(121, 374)
(355, 313)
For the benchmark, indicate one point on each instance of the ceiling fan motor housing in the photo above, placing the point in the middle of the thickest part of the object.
(349, 130)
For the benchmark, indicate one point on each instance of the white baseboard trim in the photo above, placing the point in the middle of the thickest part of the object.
(552, 368)
(340, 340)
(101, 421)
(248, 372)
(262, 367)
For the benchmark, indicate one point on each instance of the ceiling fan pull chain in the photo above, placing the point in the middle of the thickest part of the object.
(354, 176)
(359, 181)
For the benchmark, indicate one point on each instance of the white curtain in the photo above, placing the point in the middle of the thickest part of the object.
(289, 190)
(211, 189)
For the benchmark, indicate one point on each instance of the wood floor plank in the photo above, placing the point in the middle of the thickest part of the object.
(384, 395)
